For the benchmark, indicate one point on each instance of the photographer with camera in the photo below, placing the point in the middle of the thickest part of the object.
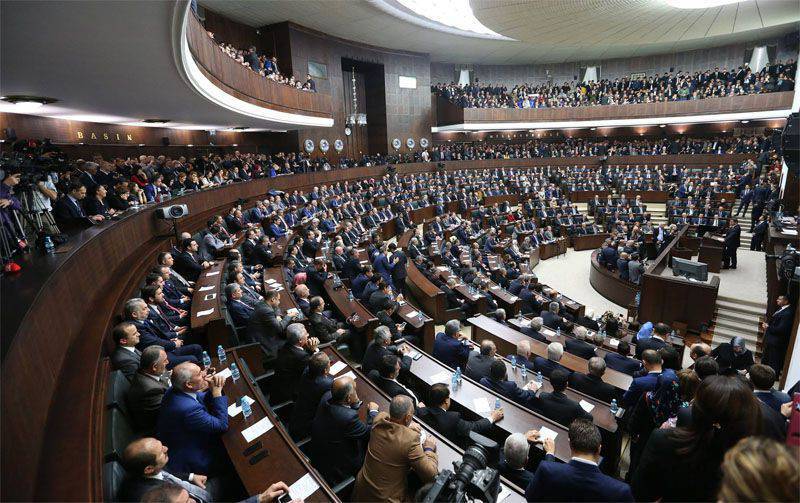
(12, 238)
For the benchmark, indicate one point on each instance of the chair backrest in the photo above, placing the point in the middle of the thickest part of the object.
(119, 433)
(113, 475)
(118, 386)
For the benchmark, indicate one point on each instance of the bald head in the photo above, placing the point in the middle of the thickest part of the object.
(342, 390)
(144, 456)
(401, 409)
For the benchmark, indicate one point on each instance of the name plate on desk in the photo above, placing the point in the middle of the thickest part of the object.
(258, 429)
(210, 296)
(209, 274)
(206, 288)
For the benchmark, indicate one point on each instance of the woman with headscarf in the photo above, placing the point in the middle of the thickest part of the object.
(645, 332)
(733, 355)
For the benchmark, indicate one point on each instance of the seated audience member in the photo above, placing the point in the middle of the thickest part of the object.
(137, 312)
(533, 330)
(578, 346)
(448, 347)
(498, 382)
(193, 416)
(656, 341)
(733, 355)
(479, 362)
(395, 449)
(556, 405)
(302, 296)
(187, 261)
(173, 493)
(322, 327)
(125, 356)
(291, 362)
(240, 312)
(267, 323)
(338, 437)
(450, 423)
(148, 386)
(547, 365)
(380, 347)
(763, 378)
(523, 355)
(698, 350)
(620, 361)
(580, 479)
(386, 379)
(68, 209)
(514, 461)
(640, 385)
(759, 469)
(315, 382)
(592, 383)
(551, 318)
(723, 412)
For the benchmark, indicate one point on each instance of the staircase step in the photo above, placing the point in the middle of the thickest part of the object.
(725, 334)
(736, 325)
(732, 302)
(737, 316)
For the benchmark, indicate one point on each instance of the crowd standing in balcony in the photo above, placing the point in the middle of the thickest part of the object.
(672, 86)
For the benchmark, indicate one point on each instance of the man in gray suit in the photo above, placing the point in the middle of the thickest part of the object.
(478, 363)
(267, 325)
(126, 357)
(148, 386)
(635, 269)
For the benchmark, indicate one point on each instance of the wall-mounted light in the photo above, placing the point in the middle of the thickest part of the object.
(745, 122)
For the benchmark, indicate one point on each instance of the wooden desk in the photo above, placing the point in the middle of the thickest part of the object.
(275, 279)
(447, 451)
(478, 300)
(284, 461)
(346, 308)
(211, 325)
(552, 249)
(711, 248)
(506, 339)
(610, 285)
(589, 241)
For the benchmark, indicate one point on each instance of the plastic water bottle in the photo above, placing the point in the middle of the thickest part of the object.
(235, 375)
(206, 359)
(350, 296)
(420, 317)
(454, 381)
(558, 332)
(614, 407)
(458, 374)
(246, 410)
(514, 362)
(496, 403)
(539, 378)
(524, 372)
(49, 247)
(221, 353)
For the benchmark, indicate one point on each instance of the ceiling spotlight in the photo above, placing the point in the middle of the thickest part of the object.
(745, 122)
(190, 145)
(156, 121)
(141, 144)
(663, 125)
(236, 144)
(593, 129)
(27, 103)
(240, 128)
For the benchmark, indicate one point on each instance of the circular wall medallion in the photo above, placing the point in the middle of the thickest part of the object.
(324, 145)
(348, 131)
(410, 143)
(309, 145)
(423, 142)
(396, 143)
(338, 145)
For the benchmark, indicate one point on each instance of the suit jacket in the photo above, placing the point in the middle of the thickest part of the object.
(125, 360)
(519, 477)
(547, 366)
(69, 214)
(289, 367)
(622, 363)
(309, 392)
(510, 390)
(392, 388)
(593, 386)
(574, 481)
(651, 343)
(773, 398)
(191, 429)
(553, 321)
(351, 268)
(732, 237)
(450, 423)
(240, 312)
(265, 328)
(561, 409)
(478, 365)
(579, 348)
(150, 334)
(323, 327)
(375, 353)
(187, 265)
(450, 351)
(393, 451)
(399, 270)
(777, 333)
(144, 400)
(638, 387)
(338, 440)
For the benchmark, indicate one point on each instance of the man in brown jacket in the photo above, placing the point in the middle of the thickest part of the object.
(394, 449)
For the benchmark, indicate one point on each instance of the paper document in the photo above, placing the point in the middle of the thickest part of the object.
(614, 342)
(495, 287)
(504, 493)
(226, 373)
(292, 312)
(206, 288)
(441, 268)
(412, 314)
(209, 274)
(234, 409)
(337, 367)
(206, 312)
(257, 430)
(441, 377)
(271, 281)
(586, 406)
(350, 374)
(481, 406)
(303, 488)
(513, 299)
(545, 432)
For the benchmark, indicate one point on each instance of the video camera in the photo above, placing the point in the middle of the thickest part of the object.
(472, 480)
(35, 159)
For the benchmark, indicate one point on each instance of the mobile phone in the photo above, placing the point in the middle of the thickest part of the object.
(253, 448)
(284, 498)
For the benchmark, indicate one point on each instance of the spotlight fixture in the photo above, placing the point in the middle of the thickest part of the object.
(593, 129)
(156, 121)
(26, 103)
(745, 122)
(663, 125)
(240, 128)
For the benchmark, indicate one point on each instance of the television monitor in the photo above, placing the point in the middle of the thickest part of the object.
(689, 269)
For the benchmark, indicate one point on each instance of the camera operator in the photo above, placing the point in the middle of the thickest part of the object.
(10, 231)
(43, 196)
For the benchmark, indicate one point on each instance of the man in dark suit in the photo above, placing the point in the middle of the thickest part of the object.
(556, 405)
(547, 365)
(580, 479)
(351, 266)
(763, 378)
(316, 275)
(776, 335)
(338, 258)
(126, 357)
(148, 386)
(137, 312)
(514, 459)
(193, 416)
(732, 243)
(450, 423)
(239, 311)
(498, 381)
(448, 347)
(399, 272)
(759, 233)
(551, 317)
(479, 362)
(338, 437)
(655, 342)
(267, 325)
(386, 379)
(291, 361)
(322, 327)
(315, 382)
(592, 383)
(640, 385)
(68, 210)
(380, 347)
(578, 345)
(187, 262)
(382, 297)
(533, 330)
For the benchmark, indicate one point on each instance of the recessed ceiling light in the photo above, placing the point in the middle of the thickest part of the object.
(745, 122)
(593, 129)
(663, 125)
(27, 103)
(190, 145)
(156, 121)
(236, 144)
(240, 128)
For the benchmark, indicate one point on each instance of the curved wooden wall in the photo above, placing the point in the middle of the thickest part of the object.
(245, 84)
(56, 317)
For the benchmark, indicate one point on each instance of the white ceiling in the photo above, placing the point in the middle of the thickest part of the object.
(544, 31)
(105, 61)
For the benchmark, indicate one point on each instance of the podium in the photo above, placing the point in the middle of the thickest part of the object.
(711, 249)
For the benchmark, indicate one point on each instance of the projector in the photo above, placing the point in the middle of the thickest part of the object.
(172, 212)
